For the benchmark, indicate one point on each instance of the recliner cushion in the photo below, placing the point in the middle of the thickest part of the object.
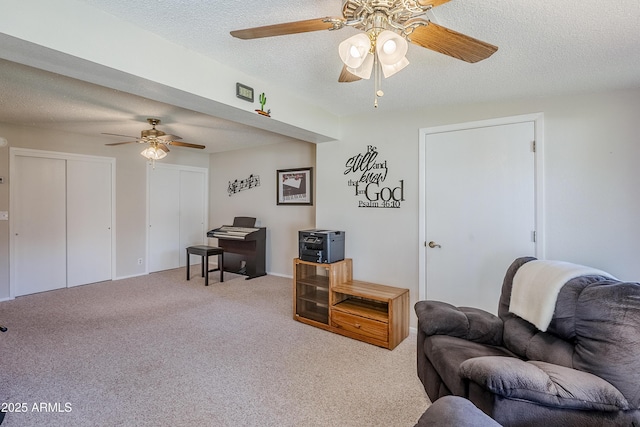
(606, 324)
(544, 384)
(473, 324)
(447, 353)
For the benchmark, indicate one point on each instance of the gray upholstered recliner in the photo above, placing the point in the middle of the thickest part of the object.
(584, 370)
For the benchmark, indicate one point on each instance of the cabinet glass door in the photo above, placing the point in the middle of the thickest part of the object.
(312, 293)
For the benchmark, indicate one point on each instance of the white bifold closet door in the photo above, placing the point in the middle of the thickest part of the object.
(62, 221)
(177, 213)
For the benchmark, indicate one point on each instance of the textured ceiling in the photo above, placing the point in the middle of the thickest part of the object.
(38, 98)
(545, 48)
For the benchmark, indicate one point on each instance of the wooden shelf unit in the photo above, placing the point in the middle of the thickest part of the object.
(311, 284)
(326, 296)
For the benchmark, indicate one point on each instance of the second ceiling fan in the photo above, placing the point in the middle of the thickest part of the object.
(157, 141)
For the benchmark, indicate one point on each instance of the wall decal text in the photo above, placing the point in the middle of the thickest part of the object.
(370, 173)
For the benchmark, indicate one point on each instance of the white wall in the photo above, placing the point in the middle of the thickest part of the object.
(592, 153)
(282, 222)
(130, 189)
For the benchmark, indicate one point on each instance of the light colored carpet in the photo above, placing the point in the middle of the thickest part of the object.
(158, 350)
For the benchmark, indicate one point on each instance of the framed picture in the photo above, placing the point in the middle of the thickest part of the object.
(295, 186)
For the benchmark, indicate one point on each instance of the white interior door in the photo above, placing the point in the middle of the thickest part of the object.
(480, 210)
(164, 218)
(39, 258)
(192, 211)
(88, 221)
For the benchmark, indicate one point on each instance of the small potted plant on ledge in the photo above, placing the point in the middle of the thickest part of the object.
(263, 100)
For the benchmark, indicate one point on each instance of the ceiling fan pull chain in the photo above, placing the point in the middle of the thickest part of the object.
(376, 81)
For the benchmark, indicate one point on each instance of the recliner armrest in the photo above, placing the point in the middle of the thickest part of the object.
(543, 383)
(472, 324)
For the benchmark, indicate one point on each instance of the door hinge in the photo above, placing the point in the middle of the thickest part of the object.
(534, 236)
(533, 146)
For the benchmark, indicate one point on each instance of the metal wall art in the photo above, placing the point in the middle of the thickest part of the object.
(244, 184)
(370, 174)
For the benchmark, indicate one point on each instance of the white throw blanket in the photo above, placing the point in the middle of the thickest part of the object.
(536, 285)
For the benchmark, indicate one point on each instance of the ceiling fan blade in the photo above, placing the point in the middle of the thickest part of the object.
(452, 43)
(432, 3)
(120, 143)
(185, 144)
(346, 76)
(166, 137)
(163, 148)
(287, 28)
(117, 134)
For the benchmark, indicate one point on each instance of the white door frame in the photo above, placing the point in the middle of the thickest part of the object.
(15, 151)
(538, 120)
(150, 168)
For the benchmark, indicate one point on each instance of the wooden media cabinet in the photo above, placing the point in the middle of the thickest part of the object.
(326, 296)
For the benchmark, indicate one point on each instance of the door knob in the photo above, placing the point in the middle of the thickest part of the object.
(433, 244)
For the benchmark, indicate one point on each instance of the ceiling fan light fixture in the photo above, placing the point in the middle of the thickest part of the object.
(391, 47)
(153, 152)
(354, 50)
(390, 70)
(364, 70)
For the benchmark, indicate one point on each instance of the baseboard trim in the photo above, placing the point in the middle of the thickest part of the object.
(288, 276)
(130, 276)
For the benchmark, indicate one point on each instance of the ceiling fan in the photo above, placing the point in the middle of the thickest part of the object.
(158, 141)
(387, 25)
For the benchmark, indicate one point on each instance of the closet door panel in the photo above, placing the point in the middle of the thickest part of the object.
(192, 211)
(39, 260)
(88, 222)
(164, 218)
